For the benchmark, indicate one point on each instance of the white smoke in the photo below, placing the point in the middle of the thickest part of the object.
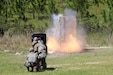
(70, 12)
(64, 29)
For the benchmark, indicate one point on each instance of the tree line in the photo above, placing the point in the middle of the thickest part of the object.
(24, 16)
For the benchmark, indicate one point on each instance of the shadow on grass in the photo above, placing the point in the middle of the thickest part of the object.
(50, 69)
(86, 50)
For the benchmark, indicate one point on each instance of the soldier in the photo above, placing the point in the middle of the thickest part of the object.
(35, 43)
(42, 53)
(32, 60)
(35, 40)
(41, 49)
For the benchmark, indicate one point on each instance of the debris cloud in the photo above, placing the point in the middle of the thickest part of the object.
(64, 35)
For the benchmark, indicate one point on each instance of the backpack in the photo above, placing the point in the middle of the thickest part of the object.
(32, 57)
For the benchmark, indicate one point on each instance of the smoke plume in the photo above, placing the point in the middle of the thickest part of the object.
(65, 35)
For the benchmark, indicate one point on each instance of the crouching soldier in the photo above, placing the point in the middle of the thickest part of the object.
(41, 50)
(42, 53)
(32, 60)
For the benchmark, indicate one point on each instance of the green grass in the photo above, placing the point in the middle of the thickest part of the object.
(99, 39)
(95, 62)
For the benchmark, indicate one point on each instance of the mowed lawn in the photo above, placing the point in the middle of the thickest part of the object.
(93, 62)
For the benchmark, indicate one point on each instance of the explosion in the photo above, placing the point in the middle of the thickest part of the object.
(63, 35)
(71, 45)
(52, 44)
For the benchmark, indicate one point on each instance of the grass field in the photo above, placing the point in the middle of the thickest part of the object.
(94, 62)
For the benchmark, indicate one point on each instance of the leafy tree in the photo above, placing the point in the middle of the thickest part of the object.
(96, 15)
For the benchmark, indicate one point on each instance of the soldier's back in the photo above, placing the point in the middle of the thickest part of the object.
(32, 57)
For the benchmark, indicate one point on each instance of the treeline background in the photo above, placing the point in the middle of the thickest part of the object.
(29, 16)
(22, 16)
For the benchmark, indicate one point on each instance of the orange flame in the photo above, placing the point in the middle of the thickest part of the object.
(52, 44)
(71, 45)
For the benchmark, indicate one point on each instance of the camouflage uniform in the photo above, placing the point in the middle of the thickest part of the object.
(32, 57)
(35, 41)
(41, 50)
(31, 60)
(35, 44)
(42, 53)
